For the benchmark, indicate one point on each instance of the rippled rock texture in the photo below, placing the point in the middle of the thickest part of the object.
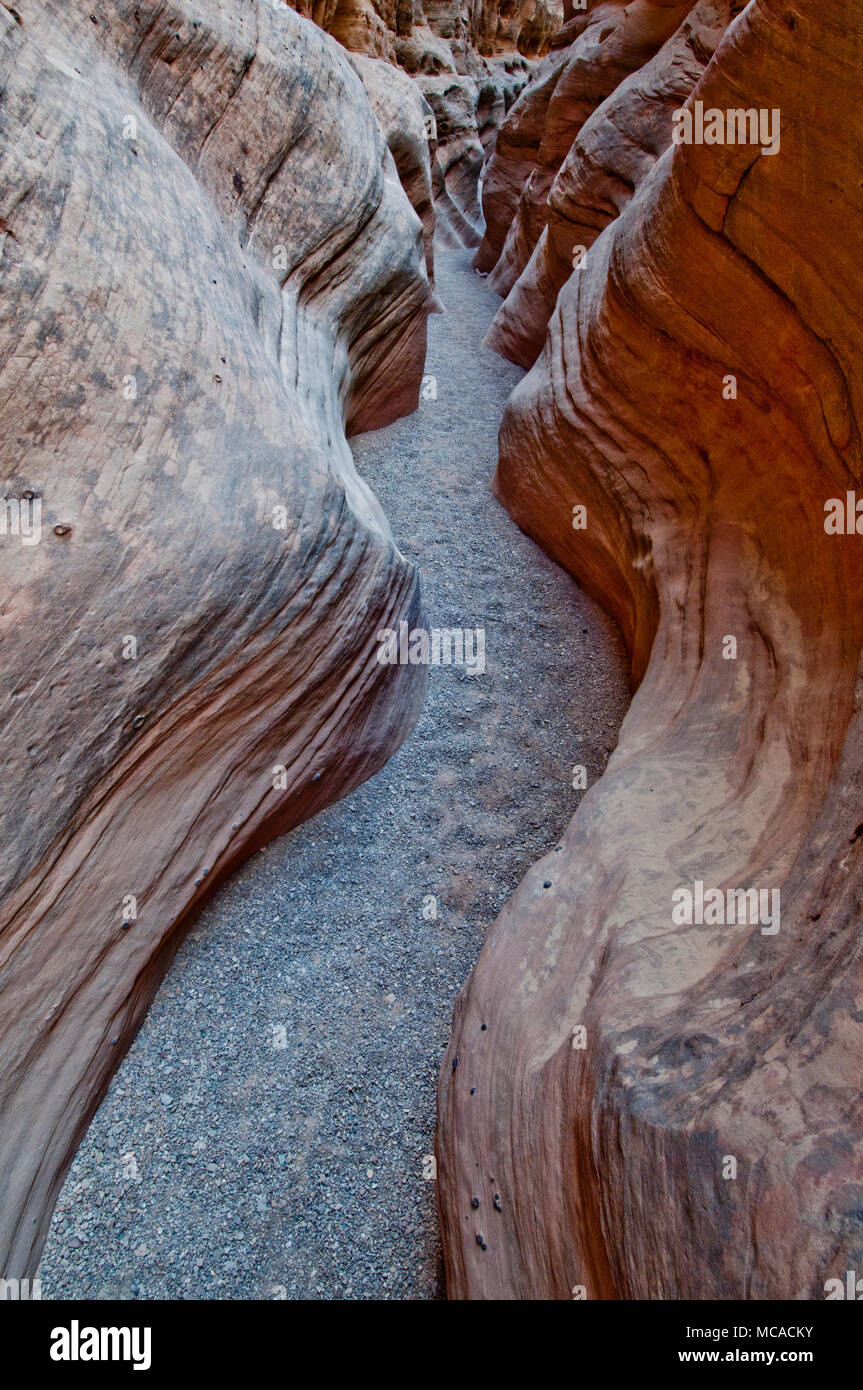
(209, 270)
(470, 60)
(612, 153)
(668, 1110)
(592, 53)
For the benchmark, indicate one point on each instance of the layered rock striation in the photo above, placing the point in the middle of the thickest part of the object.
(210, 271)
(592, 53)
(470, 59)
(650, 1097)
(613, 152)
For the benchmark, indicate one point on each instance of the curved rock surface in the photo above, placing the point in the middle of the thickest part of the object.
(700, 393)
(328, 932)
(404, 115)
(209, 269)
(613, 152)
(592, 54)
(470, 62)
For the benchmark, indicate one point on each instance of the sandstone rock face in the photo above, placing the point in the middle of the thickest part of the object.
(209, 269)
(667, 1110)
(613, 152)
(470, 62)
(593, 52)
(404, 117)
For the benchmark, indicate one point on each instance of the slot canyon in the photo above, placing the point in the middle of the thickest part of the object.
(431, 849)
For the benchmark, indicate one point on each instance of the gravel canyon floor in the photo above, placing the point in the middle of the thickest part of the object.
(265, 1135)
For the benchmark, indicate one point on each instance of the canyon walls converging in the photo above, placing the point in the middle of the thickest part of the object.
(633, 1106)
(610, 41)
(613, 150)
(209, 271)
(216, 262)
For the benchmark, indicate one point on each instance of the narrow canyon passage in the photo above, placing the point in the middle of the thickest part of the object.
(265, 1135)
